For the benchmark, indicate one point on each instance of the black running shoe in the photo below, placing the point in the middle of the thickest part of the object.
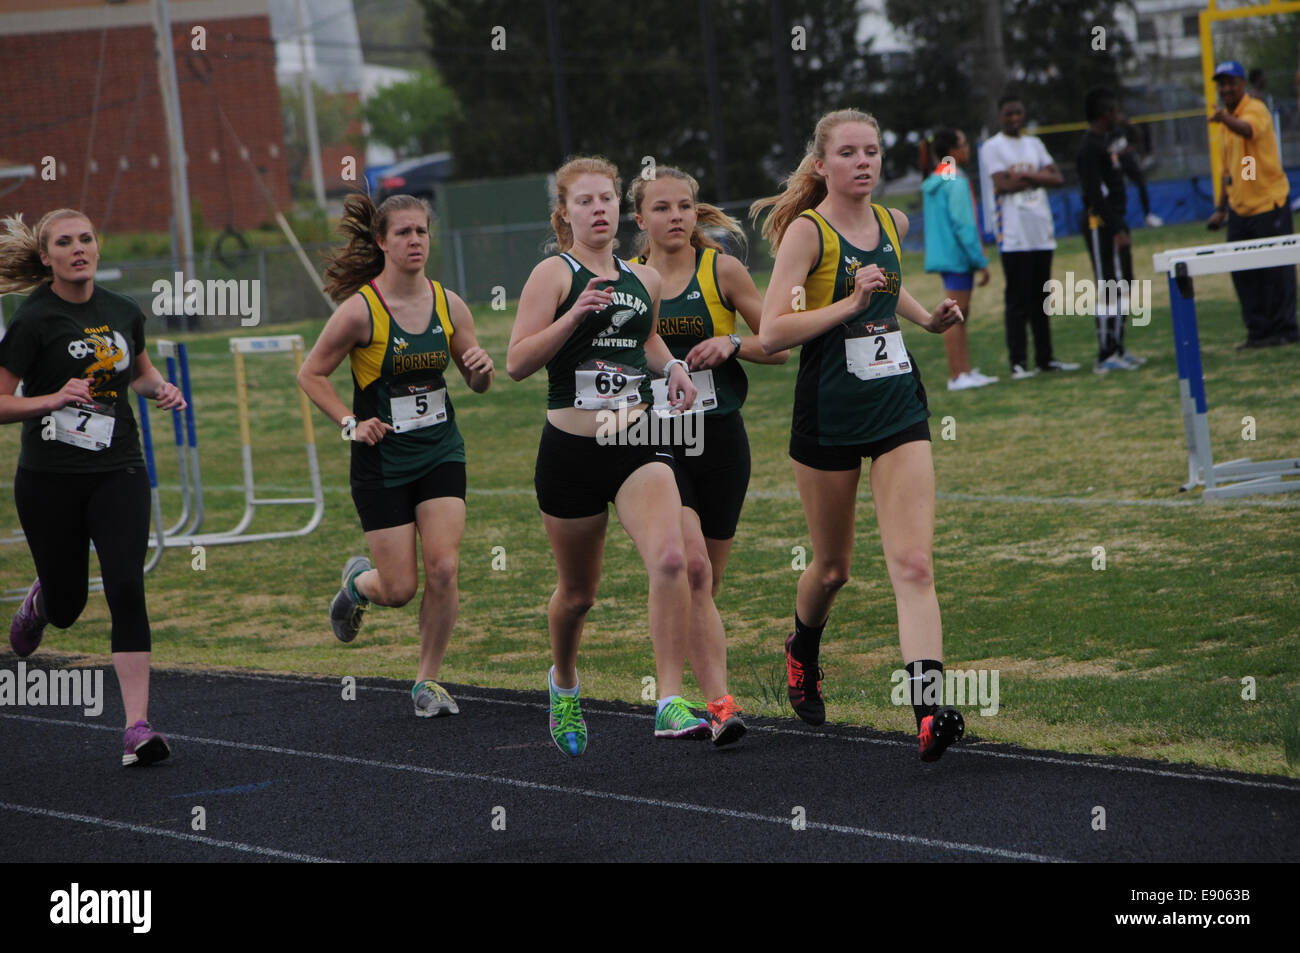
(940, 730)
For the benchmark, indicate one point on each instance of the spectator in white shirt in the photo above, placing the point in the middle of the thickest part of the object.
(1014, 169)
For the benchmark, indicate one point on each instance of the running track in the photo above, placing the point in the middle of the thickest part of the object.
(286, 770)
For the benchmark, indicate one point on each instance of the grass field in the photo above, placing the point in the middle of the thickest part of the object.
(1144, 658)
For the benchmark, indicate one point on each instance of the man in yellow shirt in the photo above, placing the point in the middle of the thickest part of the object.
(1256, 204)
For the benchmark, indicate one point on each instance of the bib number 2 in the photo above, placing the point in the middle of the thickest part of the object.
(876, 350)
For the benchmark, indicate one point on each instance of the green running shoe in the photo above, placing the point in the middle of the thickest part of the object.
(568, 729)
(676, 720)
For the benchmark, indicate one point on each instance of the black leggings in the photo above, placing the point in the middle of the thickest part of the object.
(61, 513)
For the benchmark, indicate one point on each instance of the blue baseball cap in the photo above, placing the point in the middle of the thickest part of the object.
(1230, 68)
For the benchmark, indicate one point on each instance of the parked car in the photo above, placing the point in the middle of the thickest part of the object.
(415, 176)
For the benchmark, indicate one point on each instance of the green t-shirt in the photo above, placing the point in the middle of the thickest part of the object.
(52, 340)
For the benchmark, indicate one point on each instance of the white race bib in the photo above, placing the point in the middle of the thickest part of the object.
(416, 406)
(604, 385)
(876, 350)
(89, 426)
(705, 399)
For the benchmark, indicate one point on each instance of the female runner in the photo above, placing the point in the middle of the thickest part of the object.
(589, 318)
(698, 324)
(836, 289)
(399, 330)
(78, 350)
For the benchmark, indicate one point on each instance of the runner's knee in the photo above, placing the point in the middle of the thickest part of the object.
(913, 567)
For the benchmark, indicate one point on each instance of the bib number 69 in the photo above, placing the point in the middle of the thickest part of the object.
(609, 383)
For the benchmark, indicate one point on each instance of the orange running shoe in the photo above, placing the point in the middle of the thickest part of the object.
(725, 721)
(940, 730)
(807, 705)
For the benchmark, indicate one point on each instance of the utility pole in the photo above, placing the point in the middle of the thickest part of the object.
(309, 108)
(715, 100)
(177, 161)
(784, 108)
(557, 78)
(995, 63)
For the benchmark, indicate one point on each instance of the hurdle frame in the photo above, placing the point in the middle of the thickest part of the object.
(239, 346)
(1243, 476)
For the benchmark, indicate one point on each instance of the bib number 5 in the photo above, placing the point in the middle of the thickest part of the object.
(416, 406)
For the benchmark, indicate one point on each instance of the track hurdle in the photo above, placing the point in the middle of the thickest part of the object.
(184, 432)
(1240, 477)
(288, 343)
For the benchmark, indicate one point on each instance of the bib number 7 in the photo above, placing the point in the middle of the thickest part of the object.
(88, 426)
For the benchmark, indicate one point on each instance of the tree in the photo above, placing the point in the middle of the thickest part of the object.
(413, 117)
(636, 82)
(1053, 48)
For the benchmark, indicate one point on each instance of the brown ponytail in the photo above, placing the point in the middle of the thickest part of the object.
(361, 260)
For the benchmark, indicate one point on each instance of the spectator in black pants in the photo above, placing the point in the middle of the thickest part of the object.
(1255, 206)
(1105, 233)
(1014, 168)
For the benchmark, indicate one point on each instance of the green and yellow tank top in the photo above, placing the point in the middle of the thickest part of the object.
(697, 314)
(857, 382)
(602, 365)
(398, 377)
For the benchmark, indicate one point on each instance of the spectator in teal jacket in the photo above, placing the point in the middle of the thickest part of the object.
(952, 243)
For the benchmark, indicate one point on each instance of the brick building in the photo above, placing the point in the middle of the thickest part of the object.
(82, 105)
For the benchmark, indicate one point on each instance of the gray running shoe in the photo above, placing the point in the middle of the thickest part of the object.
(346, 610)
(432, 700)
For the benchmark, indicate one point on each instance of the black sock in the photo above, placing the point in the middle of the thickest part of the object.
(807, 641)
(925, 684)
(39, 605)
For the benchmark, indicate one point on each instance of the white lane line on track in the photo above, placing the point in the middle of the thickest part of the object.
(959, 750)
(791, 495)
(160, 832)
(980, 849)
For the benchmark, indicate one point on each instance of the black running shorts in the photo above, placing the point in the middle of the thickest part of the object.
(577, 476)
(849, 457)
(714, 482)
(395, 505)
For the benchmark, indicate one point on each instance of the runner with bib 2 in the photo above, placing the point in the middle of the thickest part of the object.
(400, 331)
(79, 351)
(836, 289)
(705, 289)
(589, 319)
